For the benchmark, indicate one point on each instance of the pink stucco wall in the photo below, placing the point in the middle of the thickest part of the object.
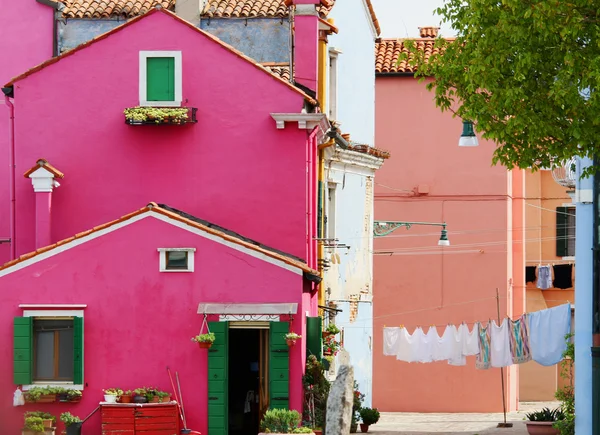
(416, 283)
(139, 320)
(233, 168)
(21, 49)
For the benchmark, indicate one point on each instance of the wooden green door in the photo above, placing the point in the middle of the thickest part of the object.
(218, 366)
(279, 366)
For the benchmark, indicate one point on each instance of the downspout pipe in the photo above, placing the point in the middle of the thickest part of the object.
(596, 303)
(58, 7)
(11, 162)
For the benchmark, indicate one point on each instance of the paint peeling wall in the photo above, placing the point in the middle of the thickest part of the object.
(263, 39)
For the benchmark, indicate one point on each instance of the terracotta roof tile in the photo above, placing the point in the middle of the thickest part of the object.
(387, 53)
(43, 163)
(281, 70)
(366, 149)
(153, 207)
(255, 8)
(374, 17)
(238, 53)
(111, 8)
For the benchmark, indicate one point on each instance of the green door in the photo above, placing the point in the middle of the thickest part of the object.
(218, 365)
(279, 366)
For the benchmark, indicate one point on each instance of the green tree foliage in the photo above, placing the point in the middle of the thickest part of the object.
(524, 71)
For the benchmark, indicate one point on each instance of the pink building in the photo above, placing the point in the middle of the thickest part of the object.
(416, 282)
(239, 185)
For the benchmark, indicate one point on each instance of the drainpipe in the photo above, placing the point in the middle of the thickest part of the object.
(596, 307)
(11, 164)
(58, 7)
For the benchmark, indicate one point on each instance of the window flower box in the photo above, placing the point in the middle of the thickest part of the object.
(142, 115)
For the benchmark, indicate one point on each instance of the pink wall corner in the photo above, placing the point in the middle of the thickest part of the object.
(419, 283)
(136, 324)
(306, 40)
(229, 168)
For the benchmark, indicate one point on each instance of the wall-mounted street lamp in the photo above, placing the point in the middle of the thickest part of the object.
(468, 138)
(383, 228)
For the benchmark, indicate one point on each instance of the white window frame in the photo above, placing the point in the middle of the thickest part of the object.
(333, 80)
(37, 310)
(144, 55)
(163, 259)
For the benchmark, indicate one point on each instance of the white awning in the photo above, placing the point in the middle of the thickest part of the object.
(276, 308)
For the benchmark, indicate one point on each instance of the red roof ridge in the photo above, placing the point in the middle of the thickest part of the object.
(155, 208)
(43, 163)
(140, 17)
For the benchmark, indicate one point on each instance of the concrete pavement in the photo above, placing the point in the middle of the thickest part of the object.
(401, 423)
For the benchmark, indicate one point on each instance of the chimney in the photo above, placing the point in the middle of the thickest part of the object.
(42, 177)
(429, 32)
(190, 10)
(306, 41)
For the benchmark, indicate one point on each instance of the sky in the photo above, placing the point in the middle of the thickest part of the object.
(402, 18)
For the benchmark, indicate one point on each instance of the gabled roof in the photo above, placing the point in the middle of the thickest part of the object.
(190, 221)
(111, 8)
(387, 52)
(238, 53)
(43, 163)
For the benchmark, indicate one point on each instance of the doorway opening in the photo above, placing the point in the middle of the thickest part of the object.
(245, 381)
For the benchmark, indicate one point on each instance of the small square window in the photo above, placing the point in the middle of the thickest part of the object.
(177, 260)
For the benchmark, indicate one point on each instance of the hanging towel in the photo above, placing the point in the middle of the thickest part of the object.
(547, 331)
(500, 355)
(469, 342)
(449, 345)
(482, 361)
(530, 274)
(544, 280)
(519, 340)
(390, 341)
(563, 276)
(408, 345)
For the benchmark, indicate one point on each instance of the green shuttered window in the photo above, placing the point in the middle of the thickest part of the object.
(160, 78)
(279, 366)
(314, 337)
(565, 231)
(48, 350)
(218, 385)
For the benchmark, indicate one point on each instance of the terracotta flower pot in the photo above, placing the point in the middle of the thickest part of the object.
(541, 428)
(205, 344)
(364, 428)
(291, 342)
(125, 399)
(47, 423)
(155, 399)
(165, 399)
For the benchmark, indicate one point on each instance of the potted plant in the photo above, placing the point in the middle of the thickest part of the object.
(48, 420)
(74, 395)
(278, 421)
(62, 394)
(151, 395)
(112, 394)
(72, 423)
(331, 329)
(163, 396)
(330, 346)
(205, 341)
(33, 426)
(291, 338)
(126, 397)
(542, 422)
(41, 395)
(316, 393)
(139, 395)
(368, 416)
(356, 407)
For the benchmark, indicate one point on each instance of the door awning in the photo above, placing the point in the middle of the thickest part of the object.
(275, 308)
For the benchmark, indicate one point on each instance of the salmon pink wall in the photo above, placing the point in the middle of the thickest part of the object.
(233, 168)
(415, 281)
(139, 320)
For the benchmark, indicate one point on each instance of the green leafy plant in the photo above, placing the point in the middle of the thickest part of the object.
(302, 430)
(204, 338)
(41, 414)
(35, 424)
(332, 329)
(356, 407)
(74, 394)
(566, 395)
(546, 414)
(369, 416)
(330, 345)
(280, 421)
(113, 392)
(316, 392)
(292, 336)
(68, 419)
(35, 393)
(174, 115)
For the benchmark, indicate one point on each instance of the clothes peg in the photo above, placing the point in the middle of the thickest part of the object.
(401, 326)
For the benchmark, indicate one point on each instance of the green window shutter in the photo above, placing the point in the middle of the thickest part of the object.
(279, 366)
(78, 350)
(314, 337)
(23, 350)
(218, 386)
(561, 231)
(160, 78)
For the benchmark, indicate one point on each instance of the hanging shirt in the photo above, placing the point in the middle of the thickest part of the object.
(500, 355)
(547, 331)
(563, 276)
(469, 344)
(482, 361)
(390, 341)
(408, 345)
(519, 340)
(449, 346)
(427, 345)
(544, 280)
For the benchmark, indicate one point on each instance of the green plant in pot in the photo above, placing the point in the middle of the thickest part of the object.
(112, 394)
(316, 392)
(331, 329)
(72, 423)
(205, 341)
(47, 419)
(542, 422)
(33, 426)
(280, 421)
(368, 417)
(139, 395)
